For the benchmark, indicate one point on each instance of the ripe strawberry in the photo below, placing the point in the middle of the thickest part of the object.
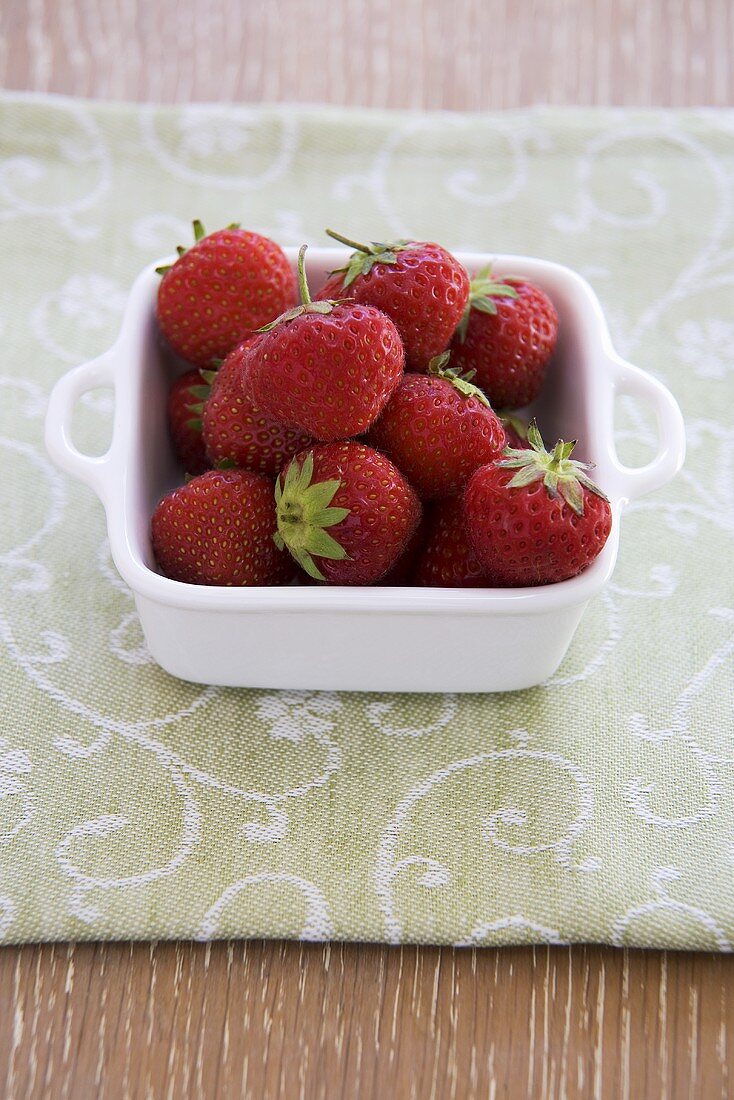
(365, 502)
(333, 288)
(325, 367)
(218, 529)
(237, 432)
(400, 573)
(420, 285)
(507, 335)
(220, 289)
(448, 559)
(535, 517)
(437, 428)
(185, 399)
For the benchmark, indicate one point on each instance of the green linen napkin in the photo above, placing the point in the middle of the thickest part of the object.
(596, 807)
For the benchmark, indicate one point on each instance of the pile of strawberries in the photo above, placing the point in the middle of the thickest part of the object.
(351, 437)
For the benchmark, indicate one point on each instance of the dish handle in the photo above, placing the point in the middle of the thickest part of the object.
(634, 482)
(92, 470)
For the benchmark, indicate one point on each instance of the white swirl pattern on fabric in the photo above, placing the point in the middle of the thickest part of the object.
(132, 805)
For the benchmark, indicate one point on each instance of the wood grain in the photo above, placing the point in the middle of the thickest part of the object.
(267, 1020)
(465, 54)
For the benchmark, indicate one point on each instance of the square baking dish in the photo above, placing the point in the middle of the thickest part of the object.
(359, 639)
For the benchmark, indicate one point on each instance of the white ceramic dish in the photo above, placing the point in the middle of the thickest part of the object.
(363, 639)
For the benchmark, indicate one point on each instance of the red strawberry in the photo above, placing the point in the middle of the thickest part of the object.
(420, 285)
(535, 517)
(448, 559)
(185, 399)
(218, 529)
(438, 428)
(236, 431)
(326, 368)
(333, 288)
(400, 574)
(365, 502)
(220, 289)
(507, 335)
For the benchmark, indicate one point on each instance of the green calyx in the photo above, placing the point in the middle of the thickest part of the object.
(306, 306)
(365, 256)
(201, 395)
(199, 234)
(462, 382)
(519, 426)
(303, 513)
(483, 289)
(560, 474)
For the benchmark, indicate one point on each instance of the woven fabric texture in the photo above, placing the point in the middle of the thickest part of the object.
(597, 807)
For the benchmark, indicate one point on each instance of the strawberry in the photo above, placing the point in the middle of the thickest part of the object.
(218, 529)
(326, 367)
(536, 517)
(400, 573)
(420, 285)
(237, 432)
(448, 559)
(333, 288)
(438, 428)
(365, 502)
(507, 335)
(184, 421)
(221, 288)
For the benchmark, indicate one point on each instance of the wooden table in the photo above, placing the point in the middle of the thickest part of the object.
(285, 1020)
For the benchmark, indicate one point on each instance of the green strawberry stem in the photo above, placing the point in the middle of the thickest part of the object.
(307, 304)
(302, 280)
(348, 242)
(556, 469)
(364, 258)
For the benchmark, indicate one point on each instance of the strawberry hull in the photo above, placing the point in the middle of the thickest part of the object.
(374, 638)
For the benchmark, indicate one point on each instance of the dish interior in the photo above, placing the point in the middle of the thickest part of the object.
(575, 402)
